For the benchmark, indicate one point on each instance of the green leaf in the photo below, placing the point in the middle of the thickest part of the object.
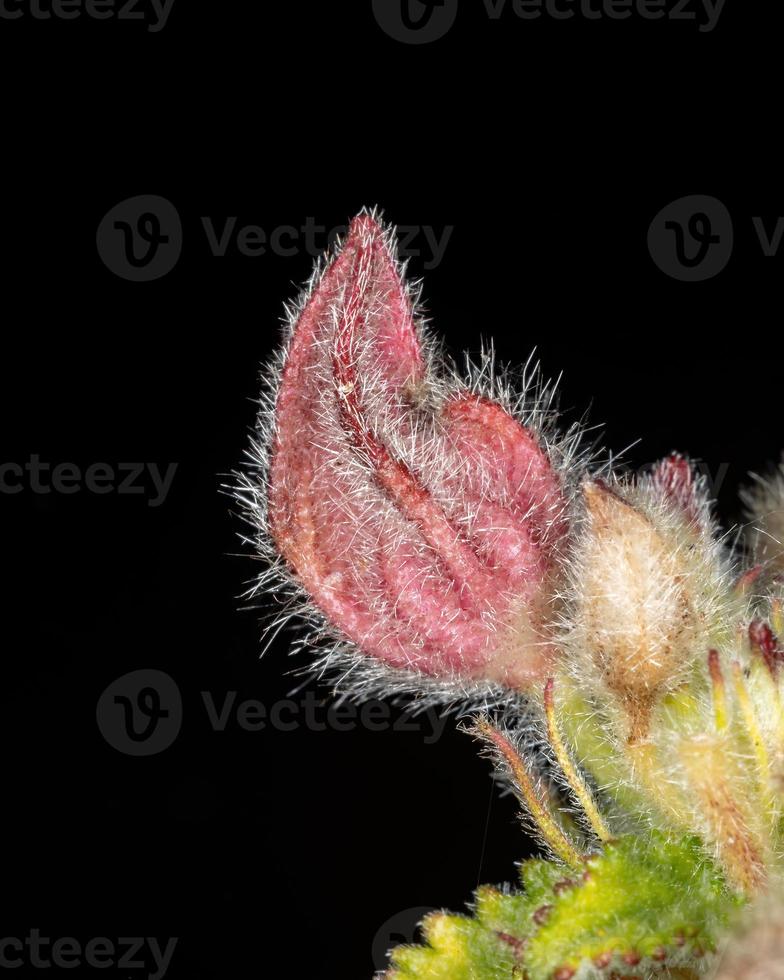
(643, 904)
(458, 948)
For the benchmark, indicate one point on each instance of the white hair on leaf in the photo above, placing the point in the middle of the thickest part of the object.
(459, 477)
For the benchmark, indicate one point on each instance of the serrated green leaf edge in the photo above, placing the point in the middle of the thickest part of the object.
(644, 904)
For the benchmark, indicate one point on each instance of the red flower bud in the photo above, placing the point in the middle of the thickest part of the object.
(421, 519)
(674, 480)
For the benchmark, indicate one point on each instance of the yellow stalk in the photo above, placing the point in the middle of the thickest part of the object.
(555, 838)
(573, 777)
(777, 617)
(719, 691)
(750, 719)
(705, 761)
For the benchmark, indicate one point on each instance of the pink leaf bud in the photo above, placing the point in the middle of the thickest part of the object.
(675, 482)
(420, 518)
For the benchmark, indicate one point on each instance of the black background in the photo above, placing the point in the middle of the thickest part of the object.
(549, 147)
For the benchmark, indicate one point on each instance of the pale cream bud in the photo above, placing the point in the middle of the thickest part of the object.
(635, 617)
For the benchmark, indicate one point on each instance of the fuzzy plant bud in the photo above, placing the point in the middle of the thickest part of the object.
(644, 591)
(430, 530)
(765, 506)
(673, 481)
(420, 518)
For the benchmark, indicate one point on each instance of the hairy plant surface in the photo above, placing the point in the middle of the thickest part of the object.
(445, 540)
